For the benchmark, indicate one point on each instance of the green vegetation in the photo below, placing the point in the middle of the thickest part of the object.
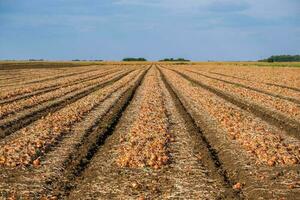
(282, 58)
(174, 60)
(134, 59)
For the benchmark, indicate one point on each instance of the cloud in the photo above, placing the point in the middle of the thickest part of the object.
(81, 23)
(254, 8)
(273, 9)
(171, 5)
(228, 6)
(197, 29)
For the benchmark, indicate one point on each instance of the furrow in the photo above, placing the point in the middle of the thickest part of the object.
(12, 93)
(68, 158)
(24, 119)
(18, 106)
(290, 126)
(207, 153)
(51, 78)
(181, 177)
(293, 100)
(242, 145)
(271, 84)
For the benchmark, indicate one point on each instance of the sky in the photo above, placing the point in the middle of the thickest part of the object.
(199, 30)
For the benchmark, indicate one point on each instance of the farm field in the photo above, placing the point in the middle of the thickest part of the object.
(149, 130)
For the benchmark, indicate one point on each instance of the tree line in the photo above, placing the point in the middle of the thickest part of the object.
(163, 60)
(282, 58)
(134, 59)
(174, 60)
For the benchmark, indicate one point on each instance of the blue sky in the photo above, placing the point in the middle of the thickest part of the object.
(113, 29)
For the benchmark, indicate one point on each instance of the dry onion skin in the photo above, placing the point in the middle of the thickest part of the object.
(145, 145)
(31, 142)
(265, 143)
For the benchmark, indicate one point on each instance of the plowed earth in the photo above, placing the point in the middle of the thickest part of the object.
(150, 131)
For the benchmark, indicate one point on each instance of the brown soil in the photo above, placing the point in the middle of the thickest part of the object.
(190, 174)
(201, 162)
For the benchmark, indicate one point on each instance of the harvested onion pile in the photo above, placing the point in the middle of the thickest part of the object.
(31, 142)
(146, 143)
(267, 144)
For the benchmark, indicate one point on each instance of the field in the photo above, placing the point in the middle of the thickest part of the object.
(149, 130)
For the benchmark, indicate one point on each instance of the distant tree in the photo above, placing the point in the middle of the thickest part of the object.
(134, 59)
(35, 60)
(282, 58)
(174, 60)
